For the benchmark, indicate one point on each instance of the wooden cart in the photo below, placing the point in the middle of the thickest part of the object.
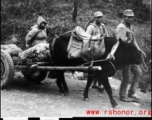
(34, 71)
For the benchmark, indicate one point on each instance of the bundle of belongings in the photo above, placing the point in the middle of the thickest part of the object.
(12, 49)
(85, 46)
(39, 52)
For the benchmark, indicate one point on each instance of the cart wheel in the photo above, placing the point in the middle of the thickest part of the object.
(35, 76)
(7, 69)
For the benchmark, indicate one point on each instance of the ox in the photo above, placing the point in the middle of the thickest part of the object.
(126, 54)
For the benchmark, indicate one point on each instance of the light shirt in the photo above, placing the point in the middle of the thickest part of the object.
(123, 32)
(93, 29)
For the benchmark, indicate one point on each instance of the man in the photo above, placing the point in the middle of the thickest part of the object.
(97, 27)
(125, 32)
(37, 34)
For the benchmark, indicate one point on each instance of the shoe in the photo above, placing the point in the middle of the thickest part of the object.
(95, 87)
(129, 100)
(101, 89)
(134, 96)
(126, 99)
(143, 90)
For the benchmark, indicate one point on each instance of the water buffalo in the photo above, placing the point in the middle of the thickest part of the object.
(126, 54)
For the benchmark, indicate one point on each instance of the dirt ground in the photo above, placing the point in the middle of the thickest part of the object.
(26, 99)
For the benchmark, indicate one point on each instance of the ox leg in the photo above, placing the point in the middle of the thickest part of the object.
(105, 82)
(61, 83)
(58, 82)
(65, 87)
(89, 82)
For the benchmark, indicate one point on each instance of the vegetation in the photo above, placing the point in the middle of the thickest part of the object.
(17, 16)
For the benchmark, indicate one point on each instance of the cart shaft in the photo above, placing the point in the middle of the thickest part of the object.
(21, 67)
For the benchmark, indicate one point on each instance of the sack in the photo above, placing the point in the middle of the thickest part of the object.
(92, 50)
(75, 47)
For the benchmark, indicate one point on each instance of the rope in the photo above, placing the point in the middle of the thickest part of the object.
(144, 67)
(145, 78)
(143, 60)
(113, 66)
(88, 23)
(17, 64)
(99, 61)
(66, 33)
(92, 62)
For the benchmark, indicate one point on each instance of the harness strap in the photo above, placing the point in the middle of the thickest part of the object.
(91, 62)
(90, 47)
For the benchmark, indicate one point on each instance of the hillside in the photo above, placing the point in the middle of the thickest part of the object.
(17, 16)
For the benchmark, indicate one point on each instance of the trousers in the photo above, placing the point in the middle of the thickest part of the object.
(137, 73)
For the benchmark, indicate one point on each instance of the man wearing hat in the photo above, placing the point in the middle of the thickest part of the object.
(97, 27)
(125, 32)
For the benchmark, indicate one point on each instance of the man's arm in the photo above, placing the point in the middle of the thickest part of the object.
(29, 37)
(137, 46)
(120, 33)
(114, 48)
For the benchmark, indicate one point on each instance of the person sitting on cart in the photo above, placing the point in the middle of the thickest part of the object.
(37, 34)
(36, 42)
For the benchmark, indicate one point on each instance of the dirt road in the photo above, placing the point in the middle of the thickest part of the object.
(26, 99)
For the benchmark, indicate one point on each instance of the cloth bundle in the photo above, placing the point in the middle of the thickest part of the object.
(12, 49)
(38, 52)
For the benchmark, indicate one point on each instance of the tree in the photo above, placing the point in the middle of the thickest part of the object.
(74, 15)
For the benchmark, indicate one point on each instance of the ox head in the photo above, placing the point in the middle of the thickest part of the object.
(127, 54)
